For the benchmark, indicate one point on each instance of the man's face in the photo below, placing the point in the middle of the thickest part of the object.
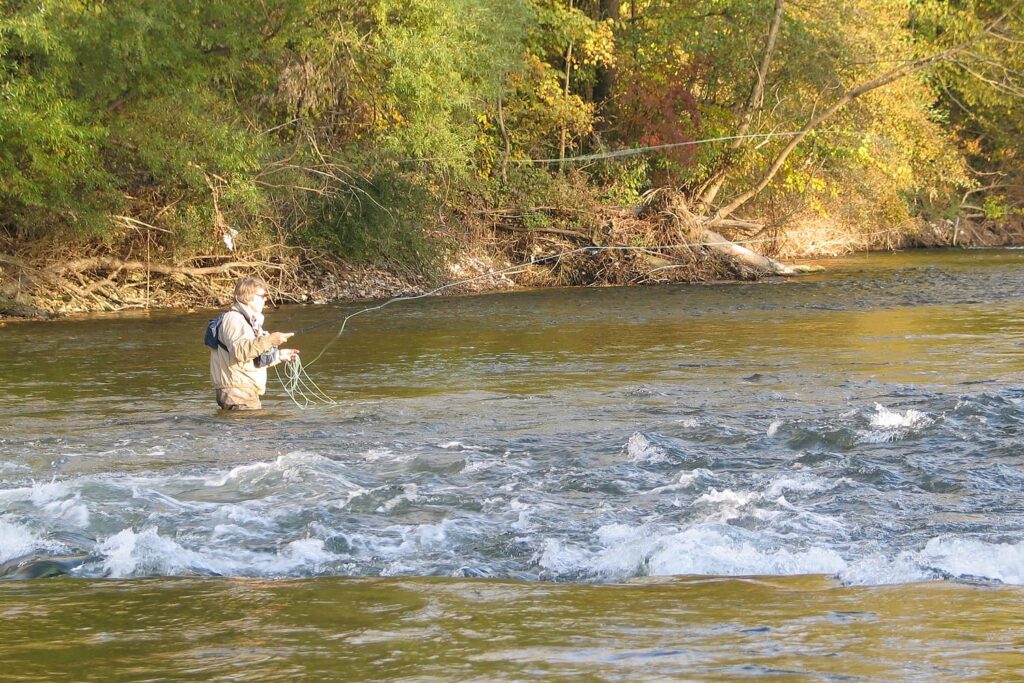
(258, 301)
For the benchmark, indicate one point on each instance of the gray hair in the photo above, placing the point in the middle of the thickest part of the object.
(247, 287)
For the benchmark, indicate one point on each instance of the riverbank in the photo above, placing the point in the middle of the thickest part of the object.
(630, 249)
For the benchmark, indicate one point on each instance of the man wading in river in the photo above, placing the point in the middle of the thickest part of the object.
(241, 351)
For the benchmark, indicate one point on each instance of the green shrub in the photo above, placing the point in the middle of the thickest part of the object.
(377, 221)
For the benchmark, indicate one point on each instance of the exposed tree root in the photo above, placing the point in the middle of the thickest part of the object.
(106, 283)
(661, 242)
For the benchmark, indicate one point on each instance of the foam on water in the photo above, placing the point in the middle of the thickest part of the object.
(13, 467)
(727, 498)
(942, 556)
(16, 540)
(457, 446)
(306, 551)
(37, 494)
(409, 495)
(966, 557)
(642, 452)
(730, 502)
(54, 501)
(127, 553)
(559, 558)
(687, 479)
(892, 425)
(730, 551)
(874, 569)
(715, 549)
(147, 553)
(801, 483)
(289, 468)
(726, 504)
(385, 455)
(72, 510)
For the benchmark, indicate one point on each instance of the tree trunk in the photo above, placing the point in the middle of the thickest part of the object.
(754, 102)
(605, 86)
(896, 74)
(746, 256)
(561, 142)
(504, 137)
(105, 263)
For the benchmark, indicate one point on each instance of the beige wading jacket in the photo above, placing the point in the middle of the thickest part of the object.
(233, 368)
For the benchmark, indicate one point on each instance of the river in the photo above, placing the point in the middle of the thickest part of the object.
(809, 478)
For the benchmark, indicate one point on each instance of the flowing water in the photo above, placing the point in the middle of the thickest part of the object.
(811, 478)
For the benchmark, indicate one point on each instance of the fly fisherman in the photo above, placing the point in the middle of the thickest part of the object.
(241, 351)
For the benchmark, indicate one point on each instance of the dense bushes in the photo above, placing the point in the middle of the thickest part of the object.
(358, 127)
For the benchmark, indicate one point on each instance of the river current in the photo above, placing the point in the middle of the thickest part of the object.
(838, 455)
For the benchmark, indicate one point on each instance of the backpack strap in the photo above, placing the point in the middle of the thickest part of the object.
(221, 344)
(221, 320)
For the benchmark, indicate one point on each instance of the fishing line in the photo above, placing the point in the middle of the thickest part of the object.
(514, 270)
(633, 151)
(297, 382)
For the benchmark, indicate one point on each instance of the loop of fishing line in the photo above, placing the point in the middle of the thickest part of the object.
(297, 383)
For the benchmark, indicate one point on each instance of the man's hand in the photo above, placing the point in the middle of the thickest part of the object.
(288, 355)
(278, 338)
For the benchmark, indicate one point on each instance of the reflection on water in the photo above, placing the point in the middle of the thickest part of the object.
(375, 629)
(862, 424)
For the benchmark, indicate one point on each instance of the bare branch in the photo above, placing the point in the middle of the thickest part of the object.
(754, 101)
(896, 74)
(1002, 86)
(134, 222)
(108, 263)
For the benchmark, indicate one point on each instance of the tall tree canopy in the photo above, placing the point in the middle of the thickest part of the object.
(356, 127)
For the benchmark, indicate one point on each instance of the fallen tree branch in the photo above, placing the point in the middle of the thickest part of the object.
(14, 261)
(754, 102)
(99, 284)
(740, 224)
(746, 256)
(108, 263)
(900, 72)
(27, 270)
(135, 223)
